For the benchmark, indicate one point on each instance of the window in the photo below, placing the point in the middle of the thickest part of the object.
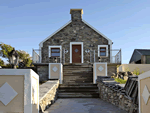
(55, 52)
(102, 51)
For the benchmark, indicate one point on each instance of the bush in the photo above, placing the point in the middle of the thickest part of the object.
(137, 72)
(121, 81)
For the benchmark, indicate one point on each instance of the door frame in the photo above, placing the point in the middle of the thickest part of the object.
(76, 43)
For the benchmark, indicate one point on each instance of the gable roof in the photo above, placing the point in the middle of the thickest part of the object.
(138, 53)
(109, 41)
(144, 51)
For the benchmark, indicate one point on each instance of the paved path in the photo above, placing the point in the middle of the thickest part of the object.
(83, 105)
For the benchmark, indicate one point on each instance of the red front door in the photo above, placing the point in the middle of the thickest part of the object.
(76, 53)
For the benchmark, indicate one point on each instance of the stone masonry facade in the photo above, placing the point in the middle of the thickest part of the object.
(76, 31)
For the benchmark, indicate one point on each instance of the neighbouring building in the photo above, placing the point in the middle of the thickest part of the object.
(140, 56)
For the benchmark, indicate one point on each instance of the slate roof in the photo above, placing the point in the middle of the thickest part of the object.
(138, 53)
(144, 51)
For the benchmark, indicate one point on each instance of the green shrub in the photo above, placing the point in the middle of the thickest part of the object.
(136, 71)
(121, 81)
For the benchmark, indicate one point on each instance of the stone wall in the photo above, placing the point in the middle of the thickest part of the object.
(42, 71)
(48, 94)
(111, 68)
(113, 92)
(76, 31)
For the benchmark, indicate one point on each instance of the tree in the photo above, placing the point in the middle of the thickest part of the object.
(1, 62)
(24, 56)
(5, 50)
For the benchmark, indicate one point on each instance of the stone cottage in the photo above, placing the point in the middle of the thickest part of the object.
(75, 42)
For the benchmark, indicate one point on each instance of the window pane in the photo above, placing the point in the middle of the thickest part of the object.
(102, 49)
(55, 54)
(55, 50)
(102, 53)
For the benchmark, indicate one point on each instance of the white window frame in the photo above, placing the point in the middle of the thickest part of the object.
(99, 50)
(49, 50)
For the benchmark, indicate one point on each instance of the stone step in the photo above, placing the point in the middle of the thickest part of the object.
(84, 68)
(77, 71)
(78, 66)
(81, 85)
(78, 95)
(77, 82)
(78, 74)
(78, 90)
(78, 78)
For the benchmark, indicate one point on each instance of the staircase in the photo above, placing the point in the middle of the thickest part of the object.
(78, 82)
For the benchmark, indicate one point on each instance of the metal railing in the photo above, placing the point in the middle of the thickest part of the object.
(35, 56)
(92, 56)
(114, 58)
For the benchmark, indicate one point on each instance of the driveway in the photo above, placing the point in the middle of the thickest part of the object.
(83, 105)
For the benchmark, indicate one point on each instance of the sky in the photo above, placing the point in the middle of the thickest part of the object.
(24, 24)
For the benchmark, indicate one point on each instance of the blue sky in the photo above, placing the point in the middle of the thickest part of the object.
(24, 24)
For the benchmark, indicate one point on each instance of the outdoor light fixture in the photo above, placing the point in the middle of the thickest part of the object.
(13, 58)
(87, 50)
(66, 51)
(91, 45)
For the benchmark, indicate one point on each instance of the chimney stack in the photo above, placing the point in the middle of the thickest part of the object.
(76, 14)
